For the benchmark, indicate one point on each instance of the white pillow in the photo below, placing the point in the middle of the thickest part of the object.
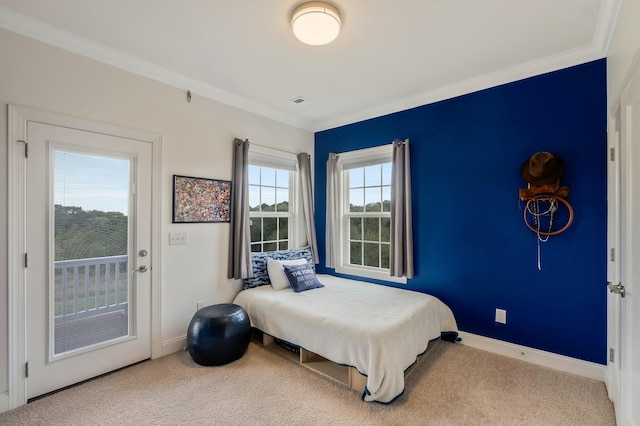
(277, 277)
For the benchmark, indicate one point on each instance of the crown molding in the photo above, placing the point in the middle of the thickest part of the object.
(607, 18)
(40, 31)
(32, 28)
(508, 75)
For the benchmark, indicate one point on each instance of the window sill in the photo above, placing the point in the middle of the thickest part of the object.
(370, 273)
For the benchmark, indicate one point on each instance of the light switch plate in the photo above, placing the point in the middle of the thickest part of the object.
(177, 238)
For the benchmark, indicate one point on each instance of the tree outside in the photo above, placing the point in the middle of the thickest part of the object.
(369, 237)
(81, 234)
(269, 208)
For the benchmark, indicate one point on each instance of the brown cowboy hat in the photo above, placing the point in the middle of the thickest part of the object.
(542, 168)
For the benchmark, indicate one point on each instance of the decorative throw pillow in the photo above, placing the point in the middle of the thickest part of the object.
(301, 277)
(259, 264)
(275, 269)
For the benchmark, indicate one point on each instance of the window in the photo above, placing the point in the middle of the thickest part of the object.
(365, 210)
(368, 215)
(271, 191)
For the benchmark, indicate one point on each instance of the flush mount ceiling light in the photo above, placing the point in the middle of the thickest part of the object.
(316, 22)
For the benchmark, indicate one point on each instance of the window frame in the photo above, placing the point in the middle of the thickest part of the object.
(260, 156)
(349, 161)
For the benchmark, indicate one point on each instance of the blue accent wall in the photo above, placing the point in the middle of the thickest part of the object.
(472, 249)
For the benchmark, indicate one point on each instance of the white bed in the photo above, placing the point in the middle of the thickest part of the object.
(376, 329)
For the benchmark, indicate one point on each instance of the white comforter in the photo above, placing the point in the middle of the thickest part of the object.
(377, 329)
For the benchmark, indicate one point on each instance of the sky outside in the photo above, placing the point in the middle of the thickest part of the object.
(267, 186)
(102, 183)
(91, 182)
(370, 184)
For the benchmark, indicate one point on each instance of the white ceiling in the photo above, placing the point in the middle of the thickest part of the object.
(390, 55)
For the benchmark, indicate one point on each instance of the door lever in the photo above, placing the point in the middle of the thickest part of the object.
(143, 268)
(616, 288)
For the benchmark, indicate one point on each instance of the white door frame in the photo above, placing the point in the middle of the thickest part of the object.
(630, 389)
(614, 254)
(18, 117)
(628, 334)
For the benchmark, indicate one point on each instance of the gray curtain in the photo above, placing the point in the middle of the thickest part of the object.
(239, 235)
(401, 256)
(333, 215)
(306, 189)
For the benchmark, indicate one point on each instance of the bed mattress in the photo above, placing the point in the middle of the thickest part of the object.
(378, 330)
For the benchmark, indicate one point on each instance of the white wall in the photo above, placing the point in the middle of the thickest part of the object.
(625, 44)
(197, 141)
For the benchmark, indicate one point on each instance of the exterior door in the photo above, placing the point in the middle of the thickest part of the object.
(88, 223)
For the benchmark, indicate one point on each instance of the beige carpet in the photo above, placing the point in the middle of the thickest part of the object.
(455, 385)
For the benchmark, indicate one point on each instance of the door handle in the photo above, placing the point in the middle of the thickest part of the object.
(616, 288)
(143, 268)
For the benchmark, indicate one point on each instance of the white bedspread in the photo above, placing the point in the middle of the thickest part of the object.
(377, 329)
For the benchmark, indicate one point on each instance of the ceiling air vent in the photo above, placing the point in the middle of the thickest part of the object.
(299, 100)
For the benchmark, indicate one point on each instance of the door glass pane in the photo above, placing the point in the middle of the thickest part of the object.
(91, 279)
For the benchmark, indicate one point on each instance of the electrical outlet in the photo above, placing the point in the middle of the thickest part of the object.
(177, 238)
(501, 316)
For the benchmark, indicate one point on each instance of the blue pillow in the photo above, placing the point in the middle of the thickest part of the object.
(301, 277)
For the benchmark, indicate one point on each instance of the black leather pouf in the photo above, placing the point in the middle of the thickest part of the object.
(218, 334)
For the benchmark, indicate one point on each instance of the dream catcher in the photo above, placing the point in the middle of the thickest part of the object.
(547, 211)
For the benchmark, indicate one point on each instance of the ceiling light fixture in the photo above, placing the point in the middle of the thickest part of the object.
(316, 22)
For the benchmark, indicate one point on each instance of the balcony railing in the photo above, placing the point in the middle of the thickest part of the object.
(88, 287)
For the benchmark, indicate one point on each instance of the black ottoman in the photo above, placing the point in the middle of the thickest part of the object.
(218, 334)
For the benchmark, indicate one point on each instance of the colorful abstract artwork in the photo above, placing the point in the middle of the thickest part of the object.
(198, 200)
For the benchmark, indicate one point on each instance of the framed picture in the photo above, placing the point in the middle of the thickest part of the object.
(200, 200)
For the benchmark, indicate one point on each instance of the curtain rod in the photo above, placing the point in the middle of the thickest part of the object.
(275, 149)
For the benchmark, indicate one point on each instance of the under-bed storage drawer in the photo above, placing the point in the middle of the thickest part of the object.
(346, 375)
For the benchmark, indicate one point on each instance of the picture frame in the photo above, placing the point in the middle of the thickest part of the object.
(201, 200)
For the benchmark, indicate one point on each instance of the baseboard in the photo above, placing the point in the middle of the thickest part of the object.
(174, 345)
(535, 356)
(4, 402)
